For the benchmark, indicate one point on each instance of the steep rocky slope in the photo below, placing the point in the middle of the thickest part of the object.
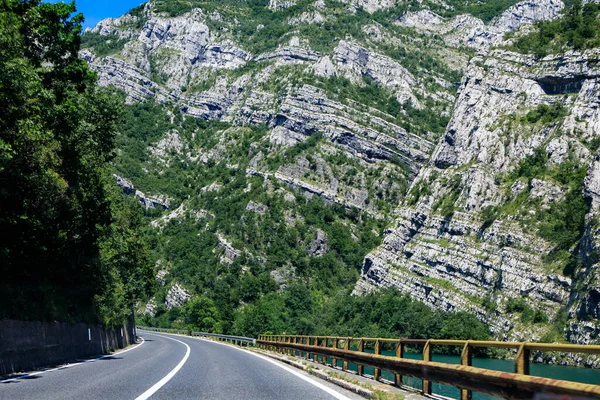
(468, 236)
(474, 162)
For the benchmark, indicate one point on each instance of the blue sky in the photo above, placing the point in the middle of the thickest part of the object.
(97, 10)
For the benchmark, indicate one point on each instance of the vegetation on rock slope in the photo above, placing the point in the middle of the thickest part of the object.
(242, 295)
(578, 29)
(227, 177)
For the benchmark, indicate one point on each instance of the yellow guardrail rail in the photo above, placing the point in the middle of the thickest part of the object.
(517, 385)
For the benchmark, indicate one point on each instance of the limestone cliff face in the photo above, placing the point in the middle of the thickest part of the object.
(444, 250)
(472, 32)
(465, 232)
(166, 57)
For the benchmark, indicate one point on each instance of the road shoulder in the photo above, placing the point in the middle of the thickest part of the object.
(362, 386)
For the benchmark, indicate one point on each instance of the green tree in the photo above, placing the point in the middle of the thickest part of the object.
(200, 313)
(57, 132)
(125, 260)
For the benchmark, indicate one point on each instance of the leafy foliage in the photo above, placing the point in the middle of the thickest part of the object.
(547, 113)
(528, 314)
(381, 314)
(69, 251)
(563, 222)
(578, 29)
(103, 45)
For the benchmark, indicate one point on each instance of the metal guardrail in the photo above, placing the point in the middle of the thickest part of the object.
(164, 330)
(517, 385)
(237, 340)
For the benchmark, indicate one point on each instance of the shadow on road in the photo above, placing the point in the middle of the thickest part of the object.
(18, 378)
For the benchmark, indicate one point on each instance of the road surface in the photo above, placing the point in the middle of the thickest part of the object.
(174, 367)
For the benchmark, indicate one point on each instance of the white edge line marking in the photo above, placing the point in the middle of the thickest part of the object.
(148, 393)
(332, 392)
(72, 365)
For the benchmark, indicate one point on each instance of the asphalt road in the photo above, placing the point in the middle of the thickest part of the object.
(174, 367)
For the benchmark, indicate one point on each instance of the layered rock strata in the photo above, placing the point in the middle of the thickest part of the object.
(455, 260)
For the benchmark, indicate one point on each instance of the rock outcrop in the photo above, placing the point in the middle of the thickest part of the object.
(157, 201)
(443, 251)
(171, 144)
(373, 5)
(229, 253)
(320, 245)
(150, 308)
(470, 31)
(176, 296)
(355, 62)
(280, 4)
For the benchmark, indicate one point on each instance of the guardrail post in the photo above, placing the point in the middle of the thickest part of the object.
(323, 358)
(303, 354)
(377, 371)
(361, 348)
(318, 344)
(427, 357)
(399, 354)
(522, 360)
(335, 346)
(466, 358)
(306, 340)
(346, 347)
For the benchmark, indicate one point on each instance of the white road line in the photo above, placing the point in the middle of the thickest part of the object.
(148, 393)
(305, 378)
(72, 365)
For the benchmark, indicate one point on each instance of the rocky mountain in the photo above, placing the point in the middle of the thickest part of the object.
(468, 171)
(476, 217)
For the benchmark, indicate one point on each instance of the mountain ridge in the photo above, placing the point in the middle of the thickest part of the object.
(360, 120)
